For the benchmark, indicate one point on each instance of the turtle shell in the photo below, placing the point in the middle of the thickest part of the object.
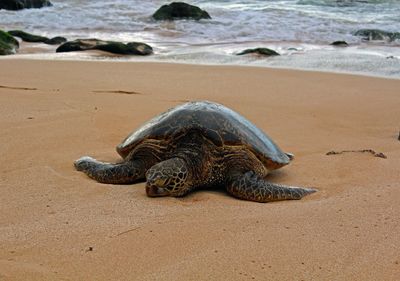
(221, 125)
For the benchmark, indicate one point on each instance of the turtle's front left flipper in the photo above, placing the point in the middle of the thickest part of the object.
(121, 173)
(249, 186)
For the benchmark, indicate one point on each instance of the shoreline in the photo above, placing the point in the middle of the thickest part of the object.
(99, 56)
(56, 223)
(373, 59)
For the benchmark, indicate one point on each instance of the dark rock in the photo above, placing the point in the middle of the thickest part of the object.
(259, 51)
(180, 10)
(132, 48)
(8, 44)
(32, 38)
(27, 37)
(7, 38)
(23, 4)
(340, 44)
(56, 40)
(78, 45)
(376, 34)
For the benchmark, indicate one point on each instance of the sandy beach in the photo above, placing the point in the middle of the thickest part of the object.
(57, 224)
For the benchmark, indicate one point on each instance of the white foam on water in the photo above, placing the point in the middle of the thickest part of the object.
(307, 25)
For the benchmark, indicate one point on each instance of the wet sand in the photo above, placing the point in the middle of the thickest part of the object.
(57, 224)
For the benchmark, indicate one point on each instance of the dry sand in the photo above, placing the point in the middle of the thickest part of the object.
(57, 224)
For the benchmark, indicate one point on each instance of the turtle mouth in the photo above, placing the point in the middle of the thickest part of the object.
(155, 191)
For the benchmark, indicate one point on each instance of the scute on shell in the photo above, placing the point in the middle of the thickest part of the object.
(221, 125)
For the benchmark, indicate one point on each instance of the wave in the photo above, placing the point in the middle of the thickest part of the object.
(277, 23)
(344, 2)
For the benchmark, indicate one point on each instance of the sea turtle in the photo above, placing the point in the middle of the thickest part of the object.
(198, 144)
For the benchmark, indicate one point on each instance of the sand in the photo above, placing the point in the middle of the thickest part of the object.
(57, 224)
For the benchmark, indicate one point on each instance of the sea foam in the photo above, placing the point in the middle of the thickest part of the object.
(308, 26)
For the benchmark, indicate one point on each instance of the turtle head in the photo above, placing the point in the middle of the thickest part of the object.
(168, 178)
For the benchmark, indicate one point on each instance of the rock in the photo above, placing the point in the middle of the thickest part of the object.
(376, 34)
(78, 45)
(56, 40)
(8, 44)
(180, 10)
(340, 44)
(132, 48)
(27, 37)
(23, 4)
(259, 51)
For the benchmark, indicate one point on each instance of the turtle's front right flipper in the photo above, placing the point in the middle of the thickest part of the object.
(121, 173)
(251, 187)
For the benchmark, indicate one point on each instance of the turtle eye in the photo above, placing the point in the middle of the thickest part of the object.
(160, 182)
(164, 182)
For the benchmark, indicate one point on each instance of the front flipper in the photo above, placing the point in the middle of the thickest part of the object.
(122, 173)
(251, 187)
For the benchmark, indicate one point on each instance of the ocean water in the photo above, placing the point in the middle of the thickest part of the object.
(300, 30)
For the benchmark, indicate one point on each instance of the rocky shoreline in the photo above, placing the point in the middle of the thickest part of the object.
(171, 12)
(9, 45)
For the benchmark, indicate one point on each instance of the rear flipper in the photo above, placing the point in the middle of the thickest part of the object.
(122, 173)
(251, 187)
